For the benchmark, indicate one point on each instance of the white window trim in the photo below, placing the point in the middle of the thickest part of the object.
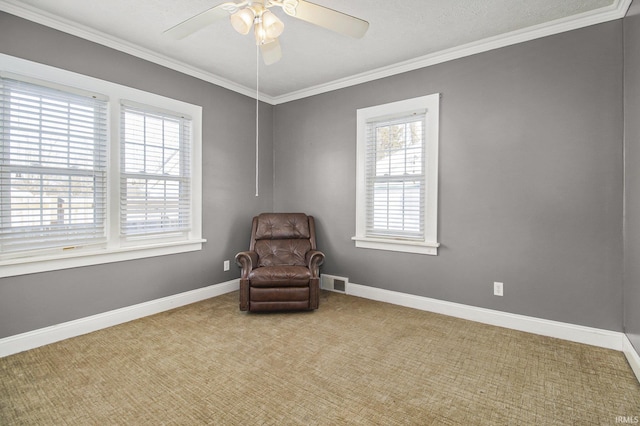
(429, 246)
(116, 249)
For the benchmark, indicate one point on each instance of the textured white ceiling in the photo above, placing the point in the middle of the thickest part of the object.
(400, 32)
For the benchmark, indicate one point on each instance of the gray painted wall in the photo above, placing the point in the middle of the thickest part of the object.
(531, 174)
(632, 174)
(34, 301)
(531, 177)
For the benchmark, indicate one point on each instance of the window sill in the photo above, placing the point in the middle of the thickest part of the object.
(418, 247)
(88, 257)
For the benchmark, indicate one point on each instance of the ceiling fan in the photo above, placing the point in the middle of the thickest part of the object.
(267, 26)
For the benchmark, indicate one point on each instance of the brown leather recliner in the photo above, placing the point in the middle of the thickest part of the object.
(281, 270)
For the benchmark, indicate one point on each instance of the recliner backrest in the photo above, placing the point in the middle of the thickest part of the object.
(282, 238)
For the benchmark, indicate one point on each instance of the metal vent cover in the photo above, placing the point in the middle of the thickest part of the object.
(334, 283)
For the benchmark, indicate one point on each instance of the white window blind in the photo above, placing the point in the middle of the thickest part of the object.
(395, 177)
(155, 174)
(52, 167)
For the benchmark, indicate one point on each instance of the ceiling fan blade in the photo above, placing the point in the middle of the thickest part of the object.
(203, 19)
(271, 52)
(328, 18)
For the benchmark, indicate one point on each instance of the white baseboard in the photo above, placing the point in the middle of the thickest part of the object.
(632, 356)
(575, 333)
(44, 336)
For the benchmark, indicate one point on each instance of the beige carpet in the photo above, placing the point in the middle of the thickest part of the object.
(353, 361)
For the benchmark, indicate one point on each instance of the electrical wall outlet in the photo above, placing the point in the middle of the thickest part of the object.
(498, 289)
(226, 265)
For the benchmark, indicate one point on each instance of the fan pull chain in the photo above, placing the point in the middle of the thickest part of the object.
(257, 113)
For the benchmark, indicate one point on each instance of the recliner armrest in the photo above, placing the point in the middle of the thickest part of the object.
(314, 259)
(247, 260)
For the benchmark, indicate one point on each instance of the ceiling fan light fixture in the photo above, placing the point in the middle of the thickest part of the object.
(260, 32)
(272, 25)
(267, 27)
(242, 20)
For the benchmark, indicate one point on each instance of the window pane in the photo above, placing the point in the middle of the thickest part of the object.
(155, 184)
(53, 156)
(399, 148)
(395, 176)
(153, 205)
(397, 208)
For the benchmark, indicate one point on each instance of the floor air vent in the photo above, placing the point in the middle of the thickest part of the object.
(333, 283)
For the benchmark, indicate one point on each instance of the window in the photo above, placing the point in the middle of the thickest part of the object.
(155, 178)
(93, 172)
(397, 172)
(53, 178)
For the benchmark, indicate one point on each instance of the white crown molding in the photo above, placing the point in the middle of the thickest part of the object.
(617, 10)
(44, 18)
(55, 333)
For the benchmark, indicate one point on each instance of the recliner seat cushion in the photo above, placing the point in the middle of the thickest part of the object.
(281, 276)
